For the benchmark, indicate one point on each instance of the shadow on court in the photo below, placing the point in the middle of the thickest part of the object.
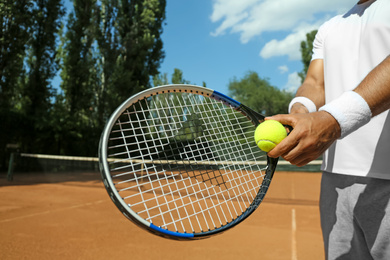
(33, 178)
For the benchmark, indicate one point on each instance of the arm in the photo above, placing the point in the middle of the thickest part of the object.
(315, 132)
(312, 87)
(375, 88)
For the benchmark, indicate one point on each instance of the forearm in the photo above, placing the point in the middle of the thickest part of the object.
(354, 109)
(375, 88)
(312, 88)
(313, 91)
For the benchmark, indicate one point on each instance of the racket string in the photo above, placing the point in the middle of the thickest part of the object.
(200, 192)
(167, 119)
(159, 185)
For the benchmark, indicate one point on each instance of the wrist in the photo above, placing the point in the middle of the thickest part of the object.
(350, 110)
(298, 108)
(303, 101)
(333, 125)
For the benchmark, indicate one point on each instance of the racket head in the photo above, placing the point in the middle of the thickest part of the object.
(180, 161)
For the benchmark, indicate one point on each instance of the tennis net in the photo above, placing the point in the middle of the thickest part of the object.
(27, 162)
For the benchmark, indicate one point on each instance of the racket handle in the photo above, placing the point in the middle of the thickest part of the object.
(289, 128)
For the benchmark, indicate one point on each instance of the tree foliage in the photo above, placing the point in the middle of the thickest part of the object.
(14, 33)
(15, 21)
(258, 94)
(78, 62)
(130, 45)
(306, 53)
(37, 91)
(103, 52)
(177, 77)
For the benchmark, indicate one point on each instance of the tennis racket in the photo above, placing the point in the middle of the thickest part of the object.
(181, 162)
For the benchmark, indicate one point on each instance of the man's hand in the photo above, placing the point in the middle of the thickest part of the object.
(313, 133)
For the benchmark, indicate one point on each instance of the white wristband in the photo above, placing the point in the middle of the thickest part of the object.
(311, 107)
(350, 110)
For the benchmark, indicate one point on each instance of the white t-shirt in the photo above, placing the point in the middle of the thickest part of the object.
(351, 45)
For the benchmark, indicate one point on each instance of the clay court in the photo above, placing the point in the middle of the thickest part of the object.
(70, 216)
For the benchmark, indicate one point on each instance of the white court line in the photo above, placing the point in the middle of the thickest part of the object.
(294, 255)
(52, 211)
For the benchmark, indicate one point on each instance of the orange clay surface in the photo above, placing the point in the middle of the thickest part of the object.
(70, 216)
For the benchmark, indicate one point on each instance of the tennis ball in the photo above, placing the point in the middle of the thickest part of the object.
(268, 134)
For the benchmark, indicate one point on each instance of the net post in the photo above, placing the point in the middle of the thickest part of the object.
(13, 149)
(10, 174)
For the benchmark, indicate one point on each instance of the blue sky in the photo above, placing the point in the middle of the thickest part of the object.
(216, 41)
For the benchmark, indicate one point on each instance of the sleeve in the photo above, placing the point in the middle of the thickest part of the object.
(319, 40)
(318, 44)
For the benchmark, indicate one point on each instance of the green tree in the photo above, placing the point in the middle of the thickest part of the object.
(42, 66)
(160, 80)
(306, 53)
(78, 69)
(79, 78)
(14, 33)
(108, 45)
(15, 22)
(111, 50)
(177, 77)
(131, 48)
(258, 94)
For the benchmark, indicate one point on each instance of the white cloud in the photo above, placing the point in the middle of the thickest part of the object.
(232, 12)
(283, 69)
(290, 45)
(252, 18)
(293, 82)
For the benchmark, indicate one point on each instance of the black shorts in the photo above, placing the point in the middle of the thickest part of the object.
(355, 217)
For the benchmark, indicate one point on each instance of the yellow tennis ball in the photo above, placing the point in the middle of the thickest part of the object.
(268, 134)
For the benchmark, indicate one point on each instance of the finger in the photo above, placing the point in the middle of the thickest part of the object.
(283, 119)
(301, 160)
(283, 147)
(301, 155)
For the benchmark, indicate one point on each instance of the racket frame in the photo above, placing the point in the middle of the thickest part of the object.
(253, 116)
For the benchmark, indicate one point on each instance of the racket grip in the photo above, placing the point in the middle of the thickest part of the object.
(288, 128)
